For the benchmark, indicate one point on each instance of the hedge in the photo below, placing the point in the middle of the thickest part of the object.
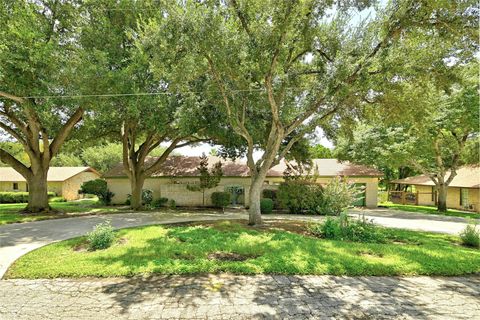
(18, 197)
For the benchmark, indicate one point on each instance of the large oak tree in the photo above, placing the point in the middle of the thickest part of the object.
(277, 69)
(39, 60)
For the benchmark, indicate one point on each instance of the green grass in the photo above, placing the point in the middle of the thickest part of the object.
(10, 212)
(430, 210)
(185, 250)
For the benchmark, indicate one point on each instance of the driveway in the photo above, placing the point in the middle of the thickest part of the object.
(20, 238)
(242, 297)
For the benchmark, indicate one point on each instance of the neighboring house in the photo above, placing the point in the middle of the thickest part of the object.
(64, 181)
(171, 179)
(463, 192)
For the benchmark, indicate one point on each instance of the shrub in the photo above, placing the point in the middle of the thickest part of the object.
(147, 197)
(470, 236)
(101, 237)
(271, 194)
(99, 188)
(300, 197)
(338, 195)
(172, 204)
(18, 197)
(221, 199)
(266, 205)
(343, 228)
(160, 202)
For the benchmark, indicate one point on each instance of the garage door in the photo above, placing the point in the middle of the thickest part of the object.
(360, 202)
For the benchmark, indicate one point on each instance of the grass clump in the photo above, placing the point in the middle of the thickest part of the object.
(470, 236)
(345, 229)
(101, 237)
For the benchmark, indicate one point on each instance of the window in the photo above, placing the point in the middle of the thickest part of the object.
(464, 197)
(15, 186)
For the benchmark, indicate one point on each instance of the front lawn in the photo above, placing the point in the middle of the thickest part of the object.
(429, 210)
(236, 248)
(10, 212)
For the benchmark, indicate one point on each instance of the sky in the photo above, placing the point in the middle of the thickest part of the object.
(204, 147)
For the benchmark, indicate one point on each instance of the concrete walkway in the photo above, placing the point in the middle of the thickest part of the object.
(242, 297)
(19, 238)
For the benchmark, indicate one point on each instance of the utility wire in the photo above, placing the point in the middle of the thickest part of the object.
(111, 95)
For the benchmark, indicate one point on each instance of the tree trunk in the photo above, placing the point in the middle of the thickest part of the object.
(38, 193)
(254, 213)
(442, 198)
(136, 184)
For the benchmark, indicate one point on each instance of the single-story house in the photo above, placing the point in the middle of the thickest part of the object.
(171, 180)
(64, 181)
(463, 192)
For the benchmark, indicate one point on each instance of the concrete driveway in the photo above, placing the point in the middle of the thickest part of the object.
(19, 238)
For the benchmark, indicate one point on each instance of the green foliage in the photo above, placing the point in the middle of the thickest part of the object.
(221, 199)
(160, 202)
(272, 194)
(346, 229)
(337, 196)
(172, 204)
(57, 199)
(18, 197)
(470, 236)
(147, 197)
(236, 192)
(266, 205)
(101, 237)
(102, 157)
(301, 197)
(320, 152)
(208, 178)
(99, 188)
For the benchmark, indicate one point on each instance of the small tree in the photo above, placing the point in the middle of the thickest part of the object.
(208, 178)
(99, 188)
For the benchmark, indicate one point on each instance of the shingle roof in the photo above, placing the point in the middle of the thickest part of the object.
(467, 177)
(182, 166)
(54, 173)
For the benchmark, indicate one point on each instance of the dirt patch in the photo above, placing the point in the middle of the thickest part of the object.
(122, 241)
(81, 247)
(228, 256)
(370, 254)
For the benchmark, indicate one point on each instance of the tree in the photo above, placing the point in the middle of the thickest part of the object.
(39, 61)
(419, 109)
(153, 111)
(277, 69)
(434, 144)
(320, 152)
(208, 178)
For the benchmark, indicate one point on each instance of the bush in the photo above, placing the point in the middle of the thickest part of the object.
(338, 195)
(470, 236)
(172, 204)
(271, 194)
(18, 197)
(99, 188)
(160, 202)
(266, 205)
(147, 197)
(343, 228)
(101, 237)
(300, 197)
(221, 199)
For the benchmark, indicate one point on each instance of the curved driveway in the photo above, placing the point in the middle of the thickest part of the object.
(19, 238)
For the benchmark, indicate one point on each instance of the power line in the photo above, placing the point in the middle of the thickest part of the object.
(112, 95)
